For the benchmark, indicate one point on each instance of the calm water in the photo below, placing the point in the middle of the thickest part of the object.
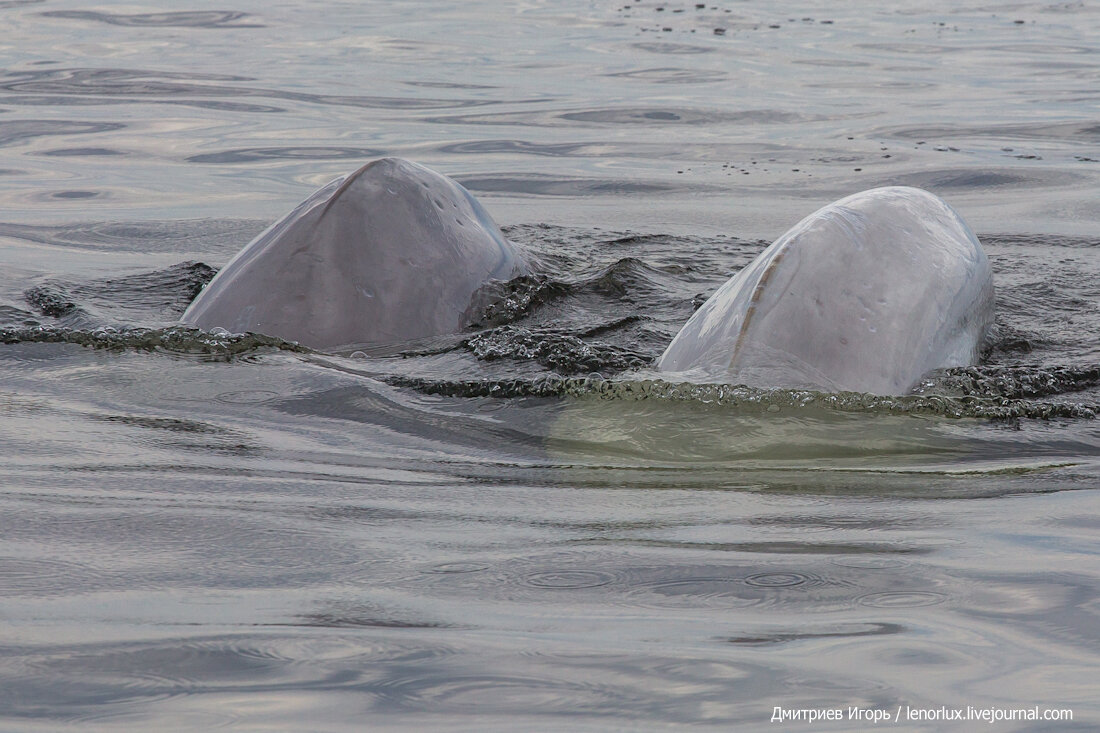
(518, 528)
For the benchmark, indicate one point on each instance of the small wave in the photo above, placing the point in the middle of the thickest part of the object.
(1018, 382)
(51, 300)
(562, 352)
(180, 340)
(739, 397)
(507, 302)
(161, 294)
(179, 19)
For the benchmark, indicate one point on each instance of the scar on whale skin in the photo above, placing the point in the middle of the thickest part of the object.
(867, 294)
(392, 252)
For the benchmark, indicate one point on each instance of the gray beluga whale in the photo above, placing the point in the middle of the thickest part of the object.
(389, 253)
(867, 294)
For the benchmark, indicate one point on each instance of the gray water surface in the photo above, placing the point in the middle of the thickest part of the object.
(519, 527)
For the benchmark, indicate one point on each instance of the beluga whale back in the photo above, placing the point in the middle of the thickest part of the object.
(868, 294)
(389, 253)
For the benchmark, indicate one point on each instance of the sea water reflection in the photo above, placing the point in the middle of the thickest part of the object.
(514, 528)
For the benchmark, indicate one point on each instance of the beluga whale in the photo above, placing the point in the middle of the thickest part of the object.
(867, 294)
(390, 253)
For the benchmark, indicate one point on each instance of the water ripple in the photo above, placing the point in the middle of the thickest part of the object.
(113, 85)
(902, 599)
(178, 19)
(250, 155)
(15, 131)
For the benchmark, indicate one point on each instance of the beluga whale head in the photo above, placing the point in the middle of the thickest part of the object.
(867, 294)
(390, 253)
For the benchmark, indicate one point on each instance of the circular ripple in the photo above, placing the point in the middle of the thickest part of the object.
(247, 396)
(564, 579)
(500, 693)
(700, 592)
(776, 580)
(901, 599)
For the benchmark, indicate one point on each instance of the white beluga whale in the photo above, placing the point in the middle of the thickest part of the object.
(868, 294)
(390, 253)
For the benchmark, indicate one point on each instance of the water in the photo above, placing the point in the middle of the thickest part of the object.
(519, 527)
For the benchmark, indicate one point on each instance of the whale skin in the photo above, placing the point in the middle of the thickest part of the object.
(390, 253)
(867, 294)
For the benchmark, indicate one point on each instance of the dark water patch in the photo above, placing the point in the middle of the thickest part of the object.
(842, 549)
(362, 405)
(224, 236)
(827, 523)
(351, 620)
(179, 19)
(120, 675)
(672, 75)
(76, 194)
(147, 85)
(219, 105)
(836, 63)
(1023, 50)
(915, 48)
(177, 434)
(117, 82)
(170, 424)
(458, 566)
(521, 147)
(14, 131)
(620, 116)
(870, 562)
(1045, 241)
(673, 48)
(447, 85)
(1085, 131)
(876, 86)
(815, 632)
(948, 179)
(80, 152)
(682, 116)
(534, 184)
(251, 155)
